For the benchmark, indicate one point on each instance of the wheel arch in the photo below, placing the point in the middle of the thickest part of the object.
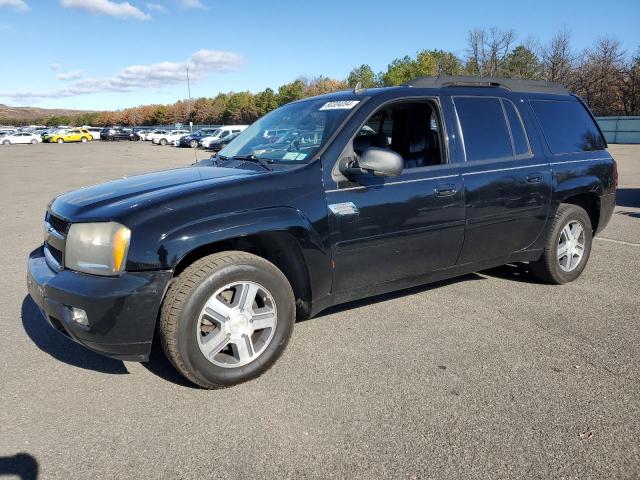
(282, 236)
(584, 192)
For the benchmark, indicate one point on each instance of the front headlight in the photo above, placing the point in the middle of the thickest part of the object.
(97, 248)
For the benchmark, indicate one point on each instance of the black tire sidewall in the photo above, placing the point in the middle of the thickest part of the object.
(188, 348)
(570, 214)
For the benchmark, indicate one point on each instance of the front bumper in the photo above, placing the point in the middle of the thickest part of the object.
(122, 311)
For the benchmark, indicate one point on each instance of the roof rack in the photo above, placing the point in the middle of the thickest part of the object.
(515, 85)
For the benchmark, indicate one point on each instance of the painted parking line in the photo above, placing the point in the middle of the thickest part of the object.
(622, 242)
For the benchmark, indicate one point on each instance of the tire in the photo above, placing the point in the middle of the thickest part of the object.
(60, 140)
(84, 140)
(34, 141)
(554, 268)
(7, 142)
(193, 143)
(163, 141)
(184, 321)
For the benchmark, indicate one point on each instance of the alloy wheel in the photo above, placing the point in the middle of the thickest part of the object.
(236, 324)
(571, 245)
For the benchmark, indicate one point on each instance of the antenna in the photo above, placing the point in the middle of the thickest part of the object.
(195, 150)
(358, 88)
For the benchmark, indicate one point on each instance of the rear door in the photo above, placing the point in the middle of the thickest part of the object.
(507, 182)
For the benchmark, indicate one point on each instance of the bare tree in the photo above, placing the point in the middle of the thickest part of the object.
(599, 76)
(630, 87)
(558, 58)
(487, 50)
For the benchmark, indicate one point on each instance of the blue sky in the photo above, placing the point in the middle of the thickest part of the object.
(110, 54)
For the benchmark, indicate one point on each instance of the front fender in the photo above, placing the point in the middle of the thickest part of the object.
(179, 242)
(176, 244)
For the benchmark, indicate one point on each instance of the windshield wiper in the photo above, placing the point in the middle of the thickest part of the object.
(252, 158)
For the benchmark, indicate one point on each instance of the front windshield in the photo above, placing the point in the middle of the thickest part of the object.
(292, 133)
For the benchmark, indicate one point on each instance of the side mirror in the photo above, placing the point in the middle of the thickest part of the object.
(381, 162)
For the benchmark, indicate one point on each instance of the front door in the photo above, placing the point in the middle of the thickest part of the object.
(391, 228)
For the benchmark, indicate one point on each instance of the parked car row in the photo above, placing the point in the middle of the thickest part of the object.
(213, 138)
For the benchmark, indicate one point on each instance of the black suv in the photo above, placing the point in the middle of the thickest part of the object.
(369, 191)
(111, 134)
(193, 140)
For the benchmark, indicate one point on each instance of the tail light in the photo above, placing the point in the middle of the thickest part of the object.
(615, 174)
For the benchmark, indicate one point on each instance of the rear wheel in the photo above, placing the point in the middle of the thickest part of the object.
(163, 141)
(84, 140)
(193, 143)
(226, 319)
(6, 142)
(34, 141)
(60, 140)
(567, 246)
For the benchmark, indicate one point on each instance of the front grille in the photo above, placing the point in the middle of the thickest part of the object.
(58, 224)
(55, 253)
(55, 239)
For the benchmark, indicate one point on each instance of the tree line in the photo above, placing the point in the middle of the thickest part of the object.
(603, 74)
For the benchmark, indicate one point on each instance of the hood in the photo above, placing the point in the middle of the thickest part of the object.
(115, 199)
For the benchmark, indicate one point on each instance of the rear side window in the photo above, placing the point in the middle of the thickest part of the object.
(567, 126)
(484, 128)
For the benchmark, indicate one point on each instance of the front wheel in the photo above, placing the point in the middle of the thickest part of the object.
(567, 246)
(6, 142)
(163, 141)
(227, 318)
(60, 140)
(84, 140)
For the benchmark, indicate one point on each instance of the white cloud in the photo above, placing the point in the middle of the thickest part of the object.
(107, 7)
(201, 65)
(19, 5)
(158, 7)
(192, 4)
(72, 75)
(55, 66)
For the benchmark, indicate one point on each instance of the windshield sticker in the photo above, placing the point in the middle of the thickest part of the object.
(301, 156)
(341, 105)
(290, 156)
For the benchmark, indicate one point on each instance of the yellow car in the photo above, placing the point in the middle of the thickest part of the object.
(72, 135)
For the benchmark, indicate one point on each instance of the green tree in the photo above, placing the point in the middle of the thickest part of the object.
(290, 92)
(401, 70)
(266, 101)
(522, 62)
(447, 63)
(363, 75)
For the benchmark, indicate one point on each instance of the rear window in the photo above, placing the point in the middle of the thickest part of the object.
(484, 128)
(567, 126)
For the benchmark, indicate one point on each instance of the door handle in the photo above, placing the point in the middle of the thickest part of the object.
(446, 190)
(535, 178)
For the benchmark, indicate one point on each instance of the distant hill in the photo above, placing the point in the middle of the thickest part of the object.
(27, 114)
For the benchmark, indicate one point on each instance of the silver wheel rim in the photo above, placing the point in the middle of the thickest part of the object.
(236, 324)
(571, 246)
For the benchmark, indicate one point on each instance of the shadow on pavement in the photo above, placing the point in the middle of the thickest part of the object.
(22, 465)
(62, 348)
(393, 295)
(160, 365)
(628, 197)
(517, 272)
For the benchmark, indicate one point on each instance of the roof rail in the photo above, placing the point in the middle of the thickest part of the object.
(513, 84)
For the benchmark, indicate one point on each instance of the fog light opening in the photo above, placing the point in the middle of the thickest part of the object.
(79, 316)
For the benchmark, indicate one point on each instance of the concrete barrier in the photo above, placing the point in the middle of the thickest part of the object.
(620, 129)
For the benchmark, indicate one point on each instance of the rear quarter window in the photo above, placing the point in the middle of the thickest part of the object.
(567, 126)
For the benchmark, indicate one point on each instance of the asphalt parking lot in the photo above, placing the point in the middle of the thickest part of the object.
(488, 376)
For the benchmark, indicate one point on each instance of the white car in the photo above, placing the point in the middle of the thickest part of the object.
(221, 133)
(94, 131)
(169, 137)
(21, 137)
(153, 134)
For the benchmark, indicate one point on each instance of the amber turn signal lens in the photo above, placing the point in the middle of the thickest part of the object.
(120, 245)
